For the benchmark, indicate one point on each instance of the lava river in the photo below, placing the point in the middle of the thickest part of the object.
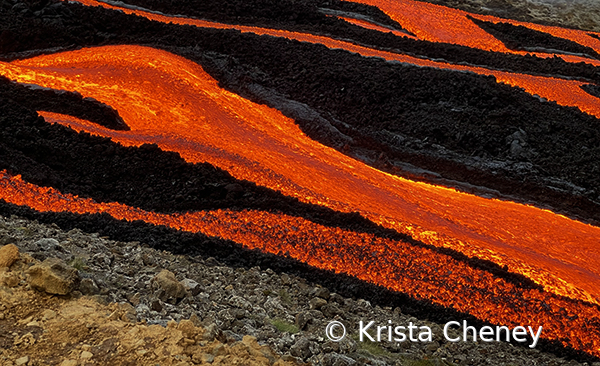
(421, 273)
(565, 92)
(168, 100)
(439, 23)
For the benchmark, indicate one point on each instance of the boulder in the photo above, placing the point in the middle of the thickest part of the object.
(167, 282)
(53, 276)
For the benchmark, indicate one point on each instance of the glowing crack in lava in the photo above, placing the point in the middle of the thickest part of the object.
(171, 101)
(418, 272)
(564, 92)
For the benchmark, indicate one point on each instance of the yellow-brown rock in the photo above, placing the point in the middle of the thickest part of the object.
(53, 276)
(8, 255)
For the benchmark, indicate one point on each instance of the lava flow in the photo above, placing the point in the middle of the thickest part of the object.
(564, 92)
(171, 101)
(439, 23)
(418, 272)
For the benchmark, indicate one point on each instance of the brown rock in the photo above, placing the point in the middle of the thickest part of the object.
(166, 281)
(317, 303)
(9, 279)
(187, 328)
(8, 255)
(250, 341)
(53, 276)
(220, 350)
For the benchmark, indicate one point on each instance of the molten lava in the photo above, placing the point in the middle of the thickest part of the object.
(564, 92)
(419, 272)
(171, 101)
(437, 23)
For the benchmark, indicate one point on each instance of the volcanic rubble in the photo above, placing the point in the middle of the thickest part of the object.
(73, 298)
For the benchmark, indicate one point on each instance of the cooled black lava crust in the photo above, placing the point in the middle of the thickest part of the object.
(518, 37)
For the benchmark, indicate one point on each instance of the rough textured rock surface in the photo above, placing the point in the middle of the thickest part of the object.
(8, 255)
(53, 276)
(237, 315)
(534, 151)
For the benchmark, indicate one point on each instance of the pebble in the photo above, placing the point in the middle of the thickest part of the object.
(22, 361)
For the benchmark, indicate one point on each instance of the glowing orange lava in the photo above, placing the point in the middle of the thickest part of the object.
(437, 23)
(564, 92)
(171, 101)
(419, 272)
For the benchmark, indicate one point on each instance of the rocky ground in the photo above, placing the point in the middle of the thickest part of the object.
(74, 298)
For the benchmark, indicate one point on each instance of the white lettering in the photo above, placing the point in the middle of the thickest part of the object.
(379, 329)
(535, 337)
(466, 329)
(399, 330)
(425, 331)
(446, 327)
(518, 331)
(362, 330)
(486, 331)
(506, 331)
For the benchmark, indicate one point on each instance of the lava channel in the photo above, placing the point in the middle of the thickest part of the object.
(398, 266)
(171, 101)
(562, 91)
(437, 23)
